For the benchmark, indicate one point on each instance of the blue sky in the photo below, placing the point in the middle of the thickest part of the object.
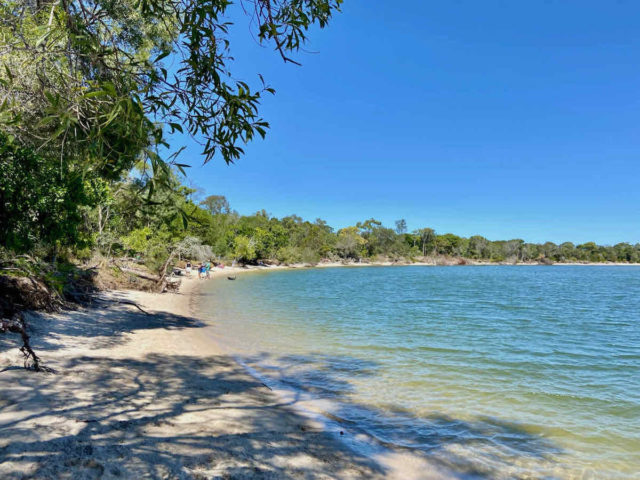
(505, 119)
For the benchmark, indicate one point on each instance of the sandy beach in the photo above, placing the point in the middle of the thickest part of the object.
(153, 395)
(150, 395)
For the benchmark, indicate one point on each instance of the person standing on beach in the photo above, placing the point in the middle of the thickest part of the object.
(207, 269)
(188, 269)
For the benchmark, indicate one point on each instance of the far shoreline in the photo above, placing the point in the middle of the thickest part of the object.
(322, 265)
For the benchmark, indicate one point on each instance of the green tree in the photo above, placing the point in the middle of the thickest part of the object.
(85, 83)
(478, 247)
(449, 244)
(103, 79)
(137, 241)
(40, 202)
(350, 243)
(589, 251)
(244, 250)
(567, 252)
(427, 240)
(514, 249)
(549, 250)
(216, 205)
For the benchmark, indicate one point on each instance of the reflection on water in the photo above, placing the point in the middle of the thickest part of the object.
(497, 372)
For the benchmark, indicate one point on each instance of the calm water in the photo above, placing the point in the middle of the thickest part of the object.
(525, 372)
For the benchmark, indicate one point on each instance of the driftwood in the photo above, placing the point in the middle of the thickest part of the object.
(164, 282)
(138, 273)
(171, 284)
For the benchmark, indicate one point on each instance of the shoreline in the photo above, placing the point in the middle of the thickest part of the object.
(266, 268)
(154, 395)
(157, 395)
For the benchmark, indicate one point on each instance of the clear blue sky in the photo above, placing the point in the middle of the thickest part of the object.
(505, 119)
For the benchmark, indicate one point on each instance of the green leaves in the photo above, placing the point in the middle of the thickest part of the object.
(96, 87)
(181, 167)
(10, 76)
(176, 127)
(99, 59)
(162, 55)
(40, 203)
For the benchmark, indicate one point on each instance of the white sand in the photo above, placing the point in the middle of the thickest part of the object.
(149, 396)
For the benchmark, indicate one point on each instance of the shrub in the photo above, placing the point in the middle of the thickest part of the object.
(40, 199)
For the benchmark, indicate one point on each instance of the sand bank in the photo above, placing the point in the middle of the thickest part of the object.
(140, 395)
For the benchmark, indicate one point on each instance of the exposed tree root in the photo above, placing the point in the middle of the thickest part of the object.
(22, 288)
(16, 324)
(24, 293)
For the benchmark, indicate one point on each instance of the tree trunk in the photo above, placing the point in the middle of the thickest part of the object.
(163, 271)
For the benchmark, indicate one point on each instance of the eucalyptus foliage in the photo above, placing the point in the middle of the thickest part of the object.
(39, 202)
(90, 89)
(91, 78)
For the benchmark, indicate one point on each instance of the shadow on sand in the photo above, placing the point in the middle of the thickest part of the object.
(104, 326)
(182, 416)
(485, 447)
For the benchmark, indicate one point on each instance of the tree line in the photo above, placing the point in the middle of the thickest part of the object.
(112, 221)
(90, 91)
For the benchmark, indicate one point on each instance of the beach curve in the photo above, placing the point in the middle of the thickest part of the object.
(153, 396)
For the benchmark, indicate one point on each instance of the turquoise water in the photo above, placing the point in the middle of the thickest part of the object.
(499, 372)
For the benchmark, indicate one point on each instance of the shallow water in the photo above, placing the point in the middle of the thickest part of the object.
(499, 372)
